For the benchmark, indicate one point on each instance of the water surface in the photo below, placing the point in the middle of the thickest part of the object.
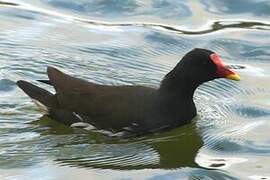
(136, 42)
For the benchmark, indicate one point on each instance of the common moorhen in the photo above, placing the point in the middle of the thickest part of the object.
(133, 110)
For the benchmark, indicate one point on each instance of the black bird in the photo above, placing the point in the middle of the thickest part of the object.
(134, 110)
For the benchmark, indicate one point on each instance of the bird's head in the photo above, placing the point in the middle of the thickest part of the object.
(196, 67)
(203, 65)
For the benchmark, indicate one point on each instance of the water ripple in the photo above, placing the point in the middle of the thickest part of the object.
(3, 3)
(213, 26)
(230, 132)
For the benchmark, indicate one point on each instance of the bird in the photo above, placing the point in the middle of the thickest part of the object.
(131, 110)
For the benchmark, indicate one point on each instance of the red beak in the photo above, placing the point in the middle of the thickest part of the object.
(223, 71)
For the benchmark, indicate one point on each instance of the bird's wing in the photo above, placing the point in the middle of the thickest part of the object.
(66, 83)
(109, 106)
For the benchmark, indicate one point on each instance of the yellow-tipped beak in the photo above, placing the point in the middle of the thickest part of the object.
(235, 77)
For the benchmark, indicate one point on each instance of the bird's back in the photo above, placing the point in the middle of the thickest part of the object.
(109, 107)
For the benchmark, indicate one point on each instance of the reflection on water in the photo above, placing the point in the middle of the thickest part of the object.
(118, 8)
(136, 42)
(238, 7)
(99, 151)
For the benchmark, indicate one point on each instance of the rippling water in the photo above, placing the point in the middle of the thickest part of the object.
(136, 42)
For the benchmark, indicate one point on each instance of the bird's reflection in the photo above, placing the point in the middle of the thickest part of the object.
(168, 150)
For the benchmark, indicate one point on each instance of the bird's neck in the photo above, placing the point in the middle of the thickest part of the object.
(178, 87)
(175, 97)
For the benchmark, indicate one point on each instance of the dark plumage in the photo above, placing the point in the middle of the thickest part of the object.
(133, 109)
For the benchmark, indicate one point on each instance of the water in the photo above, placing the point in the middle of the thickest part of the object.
(136, 42)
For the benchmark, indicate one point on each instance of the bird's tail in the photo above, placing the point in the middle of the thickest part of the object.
(43, 96)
